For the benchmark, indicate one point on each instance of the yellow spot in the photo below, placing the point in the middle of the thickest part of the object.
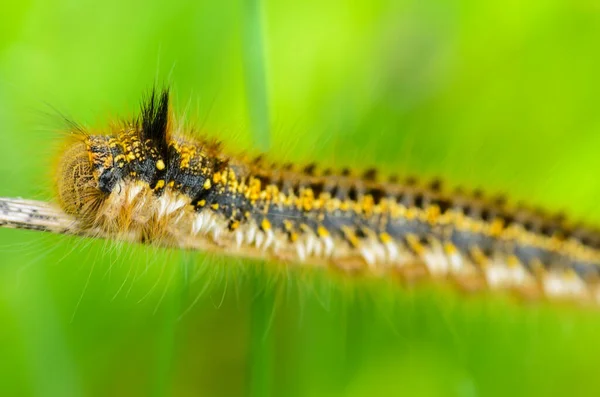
(293, 236)
(415, 244)
(130, 157)
(307, 199)
(433, 212)
(287, 225)
(322, 231)
(385, 238)
(202, 203)
(254, 189)
(207, 184)
(265, 224)
(479, 256)
(496, 227)
(215, 206)
(159, 184)
(367, 204)
(450, 249)
(231, 175)
(344, 205)
(216, 177)
(351, 236)
(185, 161)
(160, 165)
(235, 225)
(513, 262)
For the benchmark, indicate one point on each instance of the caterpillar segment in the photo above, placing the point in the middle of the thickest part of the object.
(142, 182)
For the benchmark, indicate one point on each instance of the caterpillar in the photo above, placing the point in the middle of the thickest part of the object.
(150, 181)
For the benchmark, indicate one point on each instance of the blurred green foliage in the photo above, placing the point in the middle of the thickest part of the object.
(500, 95)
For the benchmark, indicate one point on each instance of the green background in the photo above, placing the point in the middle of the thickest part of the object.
(500, 95)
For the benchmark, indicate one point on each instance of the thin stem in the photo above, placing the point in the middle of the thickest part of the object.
(17, 213)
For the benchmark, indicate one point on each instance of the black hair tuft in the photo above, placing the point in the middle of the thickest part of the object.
(155, 118)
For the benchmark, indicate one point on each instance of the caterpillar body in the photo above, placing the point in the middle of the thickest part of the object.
(147, 181)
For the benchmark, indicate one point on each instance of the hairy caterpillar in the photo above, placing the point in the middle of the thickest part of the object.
(147, 181)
